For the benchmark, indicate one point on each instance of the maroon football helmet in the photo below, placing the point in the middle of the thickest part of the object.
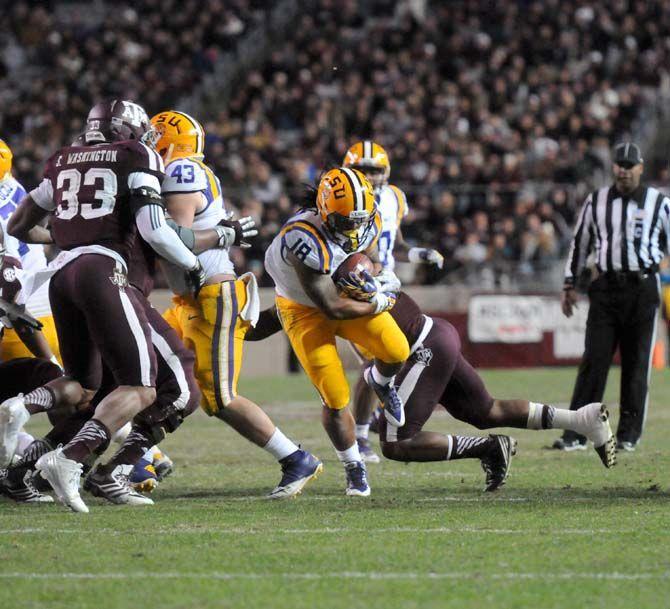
(116, 120)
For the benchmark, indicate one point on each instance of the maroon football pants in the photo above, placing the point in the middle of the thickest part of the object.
(100, 319)
(437, 373)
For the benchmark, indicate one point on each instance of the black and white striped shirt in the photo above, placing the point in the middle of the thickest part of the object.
(626, 233)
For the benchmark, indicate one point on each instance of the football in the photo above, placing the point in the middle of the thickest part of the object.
(356, 262)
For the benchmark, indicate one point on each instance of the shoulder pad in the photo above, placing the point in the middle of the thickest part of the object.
(143, 158)
(308, 244)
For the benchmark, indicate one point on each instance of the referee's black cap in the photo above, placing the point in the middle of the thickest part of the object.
(627, 154)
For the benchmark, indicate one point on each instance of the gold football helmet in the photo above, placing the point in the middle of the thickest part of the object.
(5, 160)
(346, 203)
(370, 158)
(178, 135)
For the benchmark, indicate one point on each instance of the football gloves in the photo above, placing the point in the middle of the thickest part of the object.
(359, 286)
(17, 315)
(363, 286)
(387, 281)
(197, 278)
(236, 232)
(425, 255)
(383, 302)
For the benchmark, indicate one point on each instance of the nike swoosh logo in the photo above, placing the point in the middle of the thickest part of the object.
(190, 317)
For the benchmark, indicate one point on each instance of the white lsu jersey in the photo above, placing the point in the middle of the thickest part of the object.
(305, 236)
(188, 175)
(392, 206)
(31, 255)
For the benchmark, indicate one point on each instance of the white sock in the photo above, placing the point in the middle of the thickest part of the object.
(149, 455)
(351, 454)
(544, 416)
(279, 446)
(379, 378)
(567, 419)
(362, 431)
(155, 451)
(535, 415)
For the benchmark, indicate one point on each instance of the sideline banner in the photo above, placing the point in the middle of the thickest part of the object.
(524, 319)
(505, 319)
(569, 332)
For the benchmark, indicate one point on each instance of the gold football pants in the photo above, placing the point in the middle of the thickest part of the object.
(312, 336)
(12, 347)
(212, 328)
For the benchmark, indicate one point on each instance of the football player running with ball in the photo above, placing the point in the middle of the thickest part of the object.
(371, 158)
(213, 322)
(340, 220)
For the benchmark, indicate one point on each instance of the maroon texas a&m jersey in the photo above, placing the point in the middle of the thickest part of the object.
(142, 266)
(90, 186)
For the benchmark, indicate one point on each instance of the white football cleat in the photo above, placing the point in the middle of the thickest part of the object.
(594, 419)
(114, 486)
(13, 416)
(64, 475)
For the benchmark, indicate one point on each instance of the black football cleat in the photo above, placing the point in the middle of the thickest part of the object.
(21, 490)
(497, 461)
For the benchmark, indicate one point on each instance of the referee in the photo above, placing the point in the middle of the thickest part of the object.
(626, 226)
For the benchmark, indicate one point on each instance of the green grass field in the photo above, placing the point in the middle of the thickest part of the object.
(564, 532)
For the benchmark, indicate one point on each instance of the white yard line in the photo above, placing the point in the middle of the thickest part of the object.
(323, 531)
(562, 499)
(372, 575)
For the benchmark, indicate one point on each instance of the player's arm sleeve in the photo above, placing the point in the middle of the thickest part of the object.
(309, 247)
(147, 205)
(150, 220)
(581, 244)
(187, 235)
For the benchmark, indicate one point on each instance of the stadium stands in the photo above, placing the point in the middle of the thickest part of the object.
(497, 125)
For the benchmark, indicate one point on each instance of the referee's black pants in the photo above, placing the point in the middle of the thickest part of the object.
(622, 313)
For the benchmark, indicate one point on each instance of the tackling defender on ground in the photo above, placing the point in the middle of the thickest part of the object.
(371, 159)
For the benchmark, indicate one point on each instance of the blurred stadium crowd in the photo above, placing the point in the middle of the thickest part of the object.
(498, 117)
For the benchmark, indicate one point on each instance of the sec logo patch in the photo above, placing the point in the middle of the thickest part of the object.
(9, 274)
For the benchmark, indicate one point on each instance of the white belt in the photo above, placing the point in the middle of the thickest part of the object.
(427, 327)
(31, 281)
